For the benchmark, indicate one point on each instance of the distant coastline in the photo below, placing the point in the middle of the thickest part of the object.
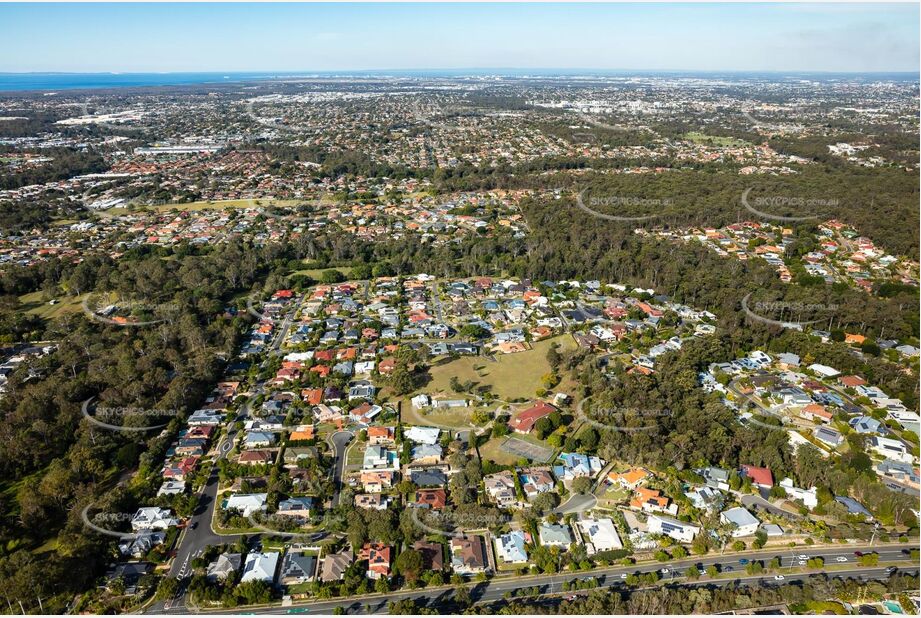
(52, 82)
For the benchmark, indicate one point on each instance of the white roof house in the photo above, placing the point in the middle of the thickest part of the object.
(893, 449)
(510, 547)
(824, 370)
(169, 488)
(260, 567)
(600, 535)
(745, 523)
(420, 401)
(246, 503)
(675, 528)
(807, 496)
(153, 518)
(423, 435)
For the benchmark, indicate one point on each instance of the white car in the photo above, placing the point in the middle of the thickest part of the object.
(623, 576)
(803, 557)
(841, 559)
(801, 562)
(779, 577)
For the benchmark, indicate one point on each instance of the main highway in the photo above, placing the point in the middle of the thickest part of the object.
(840, 561)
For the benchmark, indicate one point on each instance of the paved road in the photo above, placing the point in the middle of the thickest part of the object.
(436, 303)
(198, 534)
(577, 503)
(339, 441)
(495, 590)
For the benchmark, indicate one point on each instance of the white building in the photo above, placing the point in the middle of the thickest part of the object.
(745, 524)
(681, 531)
(153, 518)
(247, 504)
(807, 496)
(260, 567)
(599, 535)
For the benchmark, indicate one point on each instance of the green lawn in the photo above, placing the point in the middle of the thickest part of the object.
(33, 303)
(492, 451)
(717, 140)
(204, 205)
(316, 273)
(511, 376)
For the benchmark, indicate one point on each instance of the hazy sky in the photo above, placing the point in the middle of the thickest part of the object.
(303, 37)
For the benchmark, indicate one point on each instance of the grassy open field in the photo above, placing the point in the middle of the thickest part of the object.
(316, 273)
(34, 304)
(716, 140)
(511, 376)
(204, 205)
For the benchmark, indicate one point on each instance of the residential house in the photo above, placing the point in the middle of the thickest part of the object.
(296, 507)
(153, 518)
(524, 421)
(808, 497)
(260, 567)
(226, 565)
(335, 565)
(247, 504)
(681, 531)
(376, 481)
(378, 502)
(378, 557)
(760, 477)
(555, 535)
(501, 488)
(631, 479)
(510, 547)
(599, 535)
(535, 481)
(435, 499)
(432, 555)
(468, 556)
(743, 522)
(298, 568)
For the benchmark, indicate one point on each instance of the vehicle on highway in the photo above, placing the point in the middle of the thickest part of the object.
(194, 525)
(803, 557)
(892, 569)
(623, 576)
(779, 577)
(801, 562)
(743, 561)
(841, 559)
(858, 553)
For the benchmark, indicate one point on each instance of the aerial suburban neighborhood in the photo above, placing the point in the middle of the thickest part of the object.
(357, 340)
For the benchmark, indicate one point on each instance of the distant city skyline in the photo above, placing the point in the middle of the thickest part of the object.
(85, 38)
